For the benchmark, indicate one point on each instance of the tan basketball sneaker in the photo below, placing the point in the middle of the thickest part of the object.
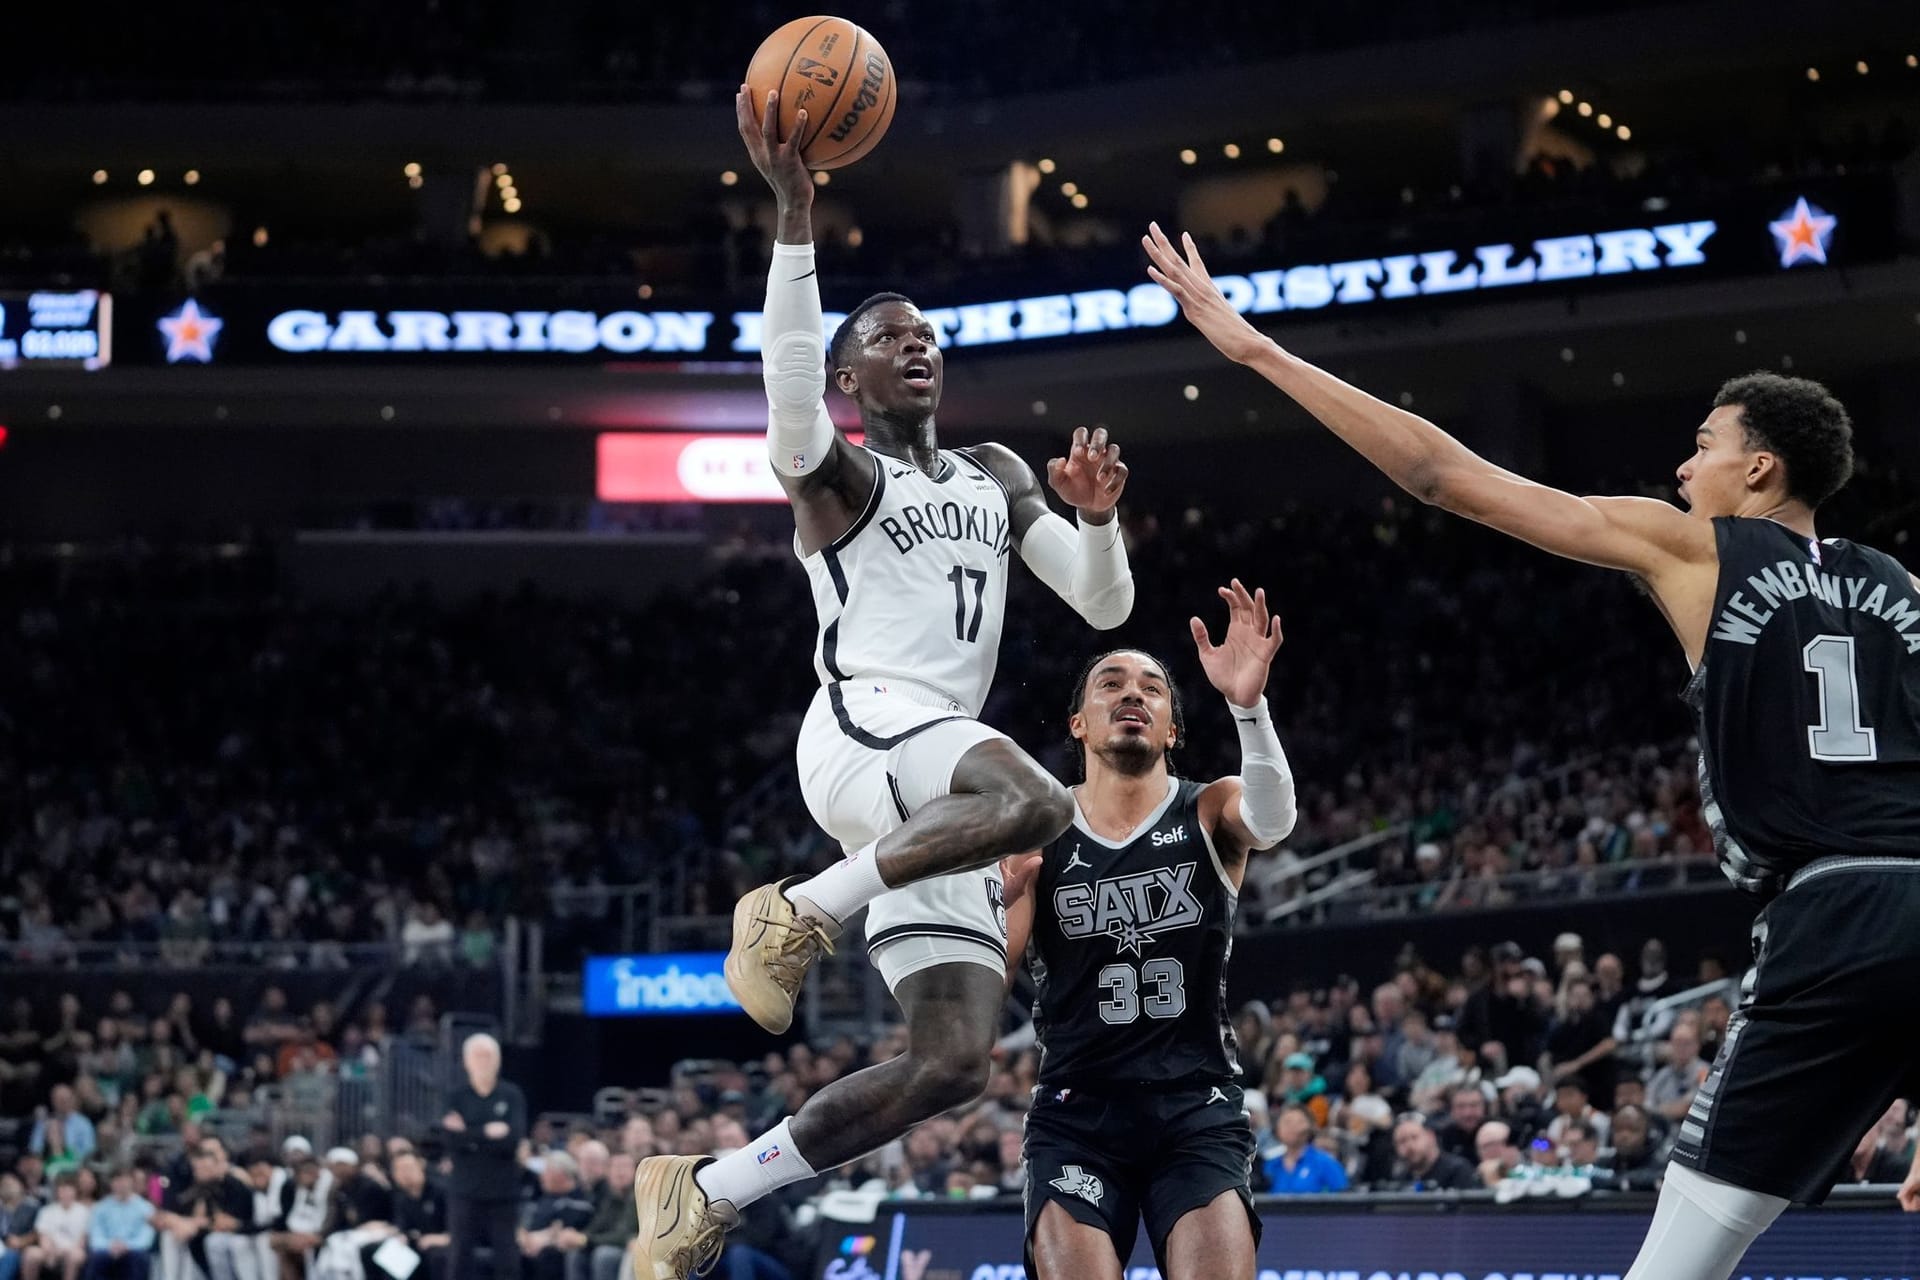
(680, 1233)
(772, 948)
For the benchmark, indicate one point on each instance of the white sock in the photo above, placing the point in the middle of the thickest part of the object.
(844, 887)
(760, 1168)
(1701, 1227)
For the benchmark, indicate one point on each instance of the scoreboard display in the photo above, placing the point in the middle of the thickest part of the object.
(53, 328)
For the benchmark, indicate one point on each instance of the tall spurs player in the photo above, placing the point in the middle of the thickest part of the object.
(1136, 1114)
(907, 546)
(1807, 697)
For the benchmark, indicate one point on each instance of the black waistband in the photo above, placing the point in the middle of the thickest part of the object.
(1103, 1087)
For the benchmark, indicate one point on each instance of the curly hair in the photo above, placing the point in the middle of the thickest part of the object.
(1079, 696)
(836, 349)
(1800, 422)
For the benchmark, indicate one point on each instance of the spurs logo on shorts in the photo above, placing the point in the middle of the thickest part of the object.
(1076, 1181)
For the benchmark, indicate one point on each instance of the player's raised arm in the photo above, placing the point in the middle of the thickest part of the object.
(802, 443)
(1638, 534)
(1257, 809)
(1084, 563)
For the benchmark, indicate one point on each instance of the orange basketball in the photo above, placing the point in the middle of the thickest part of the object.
(839, 74)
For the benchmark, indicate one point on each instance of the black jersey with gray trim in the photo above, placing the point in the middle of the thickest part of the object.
(916, 588)
(1808, 704)
(1129, 952)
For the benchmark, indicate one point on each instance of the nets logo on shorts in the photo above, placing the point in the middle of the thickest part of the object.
(1076, 1181)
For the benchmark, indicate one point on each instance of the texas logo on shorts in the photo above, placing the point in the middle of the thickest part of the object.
(1076, 1181)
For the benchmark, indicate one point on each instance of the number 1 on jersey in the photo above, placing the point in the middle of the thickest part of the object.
(1839, 737)
(962, 628)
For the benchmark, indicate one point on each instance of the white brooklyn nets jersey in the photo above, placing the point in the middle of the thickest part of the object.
(917, 587)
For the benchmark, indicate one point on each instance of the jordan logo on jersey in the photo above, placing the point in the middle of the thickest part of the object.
(946, 522)
(1131, 909)
(1077, 863)
(1076, 1181)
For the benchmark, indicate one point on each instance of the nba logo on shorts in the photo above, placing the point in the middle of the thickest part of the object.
(769, 1155)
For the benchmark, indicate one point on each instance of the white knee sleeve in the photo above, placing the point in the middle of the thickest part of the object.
(1701, 1227)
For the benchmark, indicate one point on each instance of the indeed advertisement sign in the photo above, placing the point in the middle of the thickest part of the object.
(1313, 1238)
(679, 982)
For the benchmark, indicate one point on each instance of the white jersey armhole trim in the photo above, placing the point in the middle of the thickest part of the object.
(1219, 867)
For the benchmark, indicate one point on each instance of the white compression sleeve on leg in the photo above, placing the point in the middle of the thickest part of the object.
(1266, 797)
(793, 349)
(1086, 566)
(1701, 1227)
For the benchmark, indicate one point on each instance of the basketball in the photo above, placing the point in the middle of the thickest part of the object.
(839, 74)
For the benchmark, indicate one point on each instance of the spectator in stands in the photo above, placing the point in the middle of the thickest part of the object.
(1609, 987)
(207, 1217)
(427, 936)
(561, 1209)
(1572, 1105)
(1301, 1087)
(1715, 1014)
(1635, 1163)
(1423, 1165)
(1389, 1005)
(76, 1130)
(1301, 1168)
(1671, 1090)
(17, 1212)
(1454, 1064)
(1466, 1113)
(1580, 1042)
(301, 1226)
(1568, 949)
(120, 1233)
(32, 1172)
(419, 1219)
(1520, 1103)
(1636, 1020)
(1505, 1012)
(1580, 1150)
(360, 1213)
(1496, 1152)
(60, 1235)
(486, 1119)
(615, 1220)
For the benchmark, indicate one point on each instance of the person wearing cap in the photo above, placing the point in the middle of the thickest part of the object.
(302, 1221)
(1520, 1102)
(1301, 1168)
(1300, 1087)
(1568, 948)
(360, 1209)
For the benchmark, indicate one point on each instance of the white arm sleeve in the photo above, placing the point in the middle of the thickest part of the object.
(1086, 566)
(1266, 796)
(794, 355)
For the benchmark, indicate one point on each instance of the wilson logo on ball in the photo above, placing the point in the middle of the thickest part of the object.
(869, 94)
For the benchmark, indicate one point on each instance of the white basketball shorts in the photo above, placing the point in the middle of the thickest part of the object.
(871, 753)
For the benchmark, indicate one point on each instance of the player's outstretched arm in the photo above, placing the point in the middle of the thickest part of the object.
(1085, 565)
(1256, 810)
(827, 478)
(1017, 876)
(1638, 534)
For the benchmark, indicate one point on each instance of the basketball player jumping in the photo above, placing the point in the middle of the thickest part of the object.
(1136, 1113)
(907, 546)
(1808, 704)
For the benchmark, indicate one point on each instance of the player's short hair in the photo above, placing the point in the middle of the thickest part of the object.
(1079, 698)
(1799, 420)
(844, 334)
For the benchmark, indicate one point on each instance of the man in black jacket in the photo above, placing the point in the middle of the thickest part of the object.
(419, 1217)
(1426, 1166)
(485, 1121)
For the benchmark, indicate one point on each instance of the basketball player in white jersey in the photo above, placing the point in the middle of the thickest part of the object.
(906, 545)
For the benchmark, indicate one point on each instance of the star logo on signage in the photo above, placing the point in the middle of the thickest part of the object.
(1803, 233)
(190, 333)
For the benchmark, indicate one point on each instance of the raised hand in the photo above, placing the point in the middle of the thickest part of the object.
(778, 162)
(1091, 476)
(1205, 307)
(1238, 665)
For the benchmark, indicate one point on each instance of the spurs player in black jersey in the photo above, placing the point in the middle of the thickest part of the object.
(1128, 924)
(908, 549)
(1807, 695)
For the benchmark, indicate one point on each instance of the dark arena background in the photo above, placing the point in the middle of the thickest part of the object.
(401, 639)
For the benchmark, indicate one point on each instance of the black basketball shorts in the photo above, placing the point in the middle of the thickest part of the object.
(1113, 1159)
(1823, 1041)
